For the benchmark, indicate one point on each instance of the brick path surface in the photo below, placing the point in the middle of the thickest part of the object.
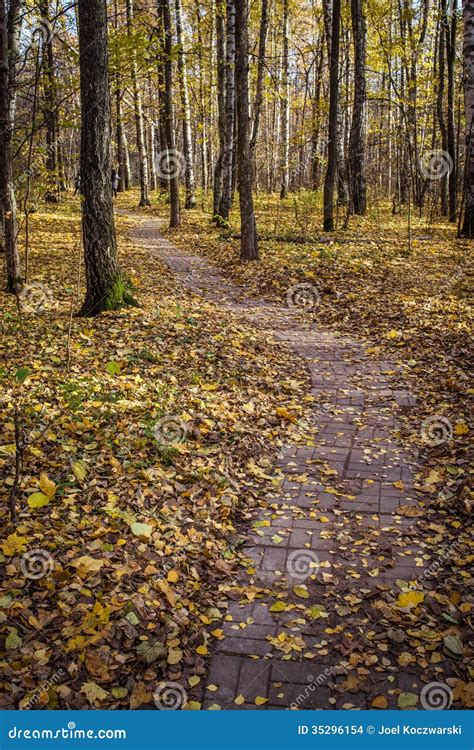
(342, 549)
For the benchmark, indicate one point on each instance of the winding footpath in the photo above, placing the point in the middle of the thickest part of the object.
(312, 623)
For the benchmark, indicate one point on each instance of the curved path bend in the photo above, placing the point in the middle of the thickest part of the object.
(335, 530)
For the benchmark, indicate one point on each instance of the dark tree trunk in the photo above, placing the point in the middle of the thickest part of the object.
(467, 229)
(166, 62)
(226, 196)
(162, 149)
(10, 23)
(316, 118)
(202, 104)
(190, 201)
(403, 144)
(105, 286)
(248, 228)
(285, 108)
(450, 33)
(356, 161)
(341, 176)
(220, 50)
(331, 170)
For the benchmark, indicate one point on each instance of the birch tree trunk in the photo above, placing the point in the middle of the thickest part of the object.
(356, 161)
(190, 201)
(124, 181)
(467, 229)
(226, 196)
(50, 110)
(440, 105)
(105, 286)
(120, 135)
(248, 228)
(10, 23)
(152, 153)
(285, 109)
(139, 122)
(257, 108)
(127, 169)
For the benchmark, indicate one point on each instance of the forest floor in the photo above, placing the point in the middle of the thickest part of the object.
(155, 450)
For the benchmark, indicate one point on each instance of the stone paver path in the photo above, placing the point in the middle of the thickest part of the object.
(333, 531)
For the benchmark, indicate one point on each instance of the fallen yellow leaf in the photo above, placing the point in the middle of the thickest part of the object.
(410, 599)
(47, 486)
